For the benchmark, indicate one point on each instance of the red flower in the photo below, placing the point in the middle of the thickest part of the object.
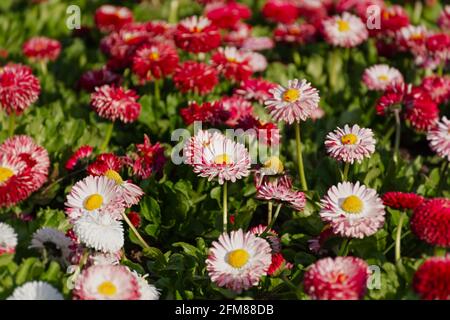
(135, 218)
(255, 89)
(438, 42)
(431, 222)
(42, 49)
(295, 33)
(114, 103)
(103, 163)
(197, 34)
(267, 133)
(19, 88)
(280, 11)
(279, 264)
(160, 30)
(237, 35)
(227, 15)
(437, 87)
(392, 99)
(358, 6)
(195, 77)
(209, 112)
(237, 108)
(421, 110)
(432, 279)
(81, 153)
(147, 159)
(97, 78)
(155, 61)
(112, 18)
(232, 63)
(392, 19)
(402, 200)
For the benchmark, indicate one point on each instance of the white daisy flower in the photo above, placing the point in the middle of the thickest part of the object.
(353, 210)
(147, 290)
(8, 239)
(129, 192)
(101, 258)
(295, 102)
(350, 144)
(36, 290)
(346, 30)
(439, 138)
(380, 76)
(100, 232)
(53, 242)
(238, 260)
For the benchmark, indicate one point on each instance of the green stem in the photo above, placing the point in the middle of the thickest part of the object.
(173, 15)
(443, 176)
(343, 250)
(43, 65)
(417, 13)
(12, 124)
(398, 237)
(296, 57)
(398, 128)
(346, 169)
(440, 252)
(157, 91)
(269, 212)
(109, 130)
(393, 244)
(301, 169)
(270, 225)
(136, 233)
(225, 208)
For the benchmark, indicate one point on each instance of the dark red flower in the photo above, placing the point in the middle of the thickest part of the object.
(402, 200)
(97, 78)
(209, 112)
(232, 63)
(391, 99)
(437, 87)
(281, 11)
(155, 61)
(279, 264)
(103, 163)
(431, 222)
(197, 34)
(267, 133)
(237, 35)
(160, 30)
(42, 49)
(295, 33)
(237, 108)
(147, 159)
(392, 19)
(438, 42)
(421, 110)
(80, 154)
(195, 77)
(255, 89)
(112, 18)
(358, 6)
(227, 15)
(432, 279)
(135, 218)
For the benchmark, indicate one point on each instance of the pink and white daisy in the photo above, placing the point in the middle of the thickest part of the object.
(216, 156)
(280, 190)
(439, 138)
(8, 239)
(295, 102)
(412, 37)
(255, 89)
(42, 49)
(350, 144)
(346, 30)
(233, 63)
(271, 237)
(238, 260)
(36, 290)
(380, 76)
(257, 61)
(80, 154)
(103, 282)
(353, 210)
(341, 278)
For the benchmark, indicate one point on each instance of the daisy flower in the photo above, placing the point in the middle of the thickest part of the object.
(402, 200)
(280, 190)
(114, 103)
(53, 242)
(222, 158)
(155, 61)
(258, 43)
(232, 63)
(212, 113)
(103, 282)
(100, 232)
(444, 19)
(278, 265)
(36, 290)
(238, 260)
(346, 30)
(236, 108)
(42, 49)
(350, 144)
(293, 103)
(430, 222)
(8, 239)
(421, 111)
(97, 78)
(341, 278)
(19, 88)
(265, 132)
(439, 138)
(102, 258)
(80, 154)
(197, 34)
(281, 11)
(380, 76)
(196, 77)
(255, 89)
(412, 37)
(432, 280)
(295, 33)
(257, 61)
(237, 35)
(392, 98)
(147, 160)
(111, 18)
(94, 194)
(353, 210)
(437, 87)
(147, 291)
(271, 237)
(227, 15)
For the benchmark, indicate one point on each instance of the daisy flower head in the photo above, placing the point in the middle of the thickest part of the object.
(8, 239)
(392, 98)
(106, 282)
(296, 33)
(437, 87)
(19, 88)
(350, 144)
(99, 231)
(432, 280)
(238, 260)
(380, 76)
(280, 190)
(430, 222)
(212, 113)
(412, 37)
(97, 78)
(236, 108)
(233, 63)
(255, 89)
(52, 241)
(102, 258)
(278, 265)
(112, 103)
(346, 30)
(227, 15)
(282, 11)
(36, 290)
(80, 154)
(197, 34)
(257, 61)
(353, 210)
(223, 159)
(341, 278)
(402, 200)
(111, 18)
(444, 18)
(42, 49)
(94, 194)
(258, 43)
(196, 77)
(147, 160)
(271, 236)
(439, 138)
(237, 35)
(155, 61)
(421, 111)
(295, 102)
(147, 291)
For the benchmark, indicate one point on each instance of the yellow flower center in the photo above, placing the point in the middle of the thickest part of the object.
(154, 56)
(5, 174)
(223, 159)
(340, 278)
(196, 29)
(93, 202)
(416, 36)
(113, 175)
(383, 77)
(343, 26)
(274, 164)
(291, 95)
(107, 288)
(349, 139)
(238, 258)
(352, 204)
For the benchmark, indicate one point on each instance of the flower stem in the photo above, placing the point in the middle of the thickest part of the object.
(109, 131)
(398, 237)
(157, 91)
(269, 212)
(43, 66)
(439, 251)
(343, 250)
(270, 225)
(225, 208)
(346, 169)
(173, 15)
(136, 233)
(300, 157)
(12, 124)
(443, 176)
(398, 128)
